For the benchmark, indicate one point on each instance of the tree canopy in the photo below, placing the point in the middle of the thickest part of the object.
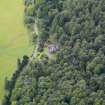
(77, 75)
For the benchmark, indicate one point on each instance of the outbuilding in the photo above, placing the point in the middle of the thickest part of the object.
(53, 48)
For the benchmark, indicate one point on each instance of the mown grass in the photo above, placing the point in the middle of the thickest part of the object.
(14, 41)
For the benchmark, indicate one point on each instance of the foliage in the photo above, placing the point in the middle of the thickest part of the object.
(77, 75)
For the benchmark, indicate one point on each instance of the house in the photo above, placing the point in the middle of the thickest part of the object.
(53, 48)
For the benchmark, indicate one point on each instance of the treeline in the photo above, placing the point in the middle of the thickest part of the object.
(10, 84)
(43, 14)
(77, 75)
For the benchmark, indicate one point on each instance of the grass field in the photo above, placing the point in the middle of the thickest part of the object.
(14, 41)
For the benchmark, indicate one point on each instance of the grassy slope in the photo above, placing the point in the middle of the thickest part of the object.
(13, 38)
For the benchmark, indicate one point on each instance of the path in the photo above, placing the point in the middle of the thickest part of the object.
(34, 53)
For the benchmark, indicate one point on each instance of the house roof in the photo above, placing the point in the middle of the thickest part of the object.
(53, 48)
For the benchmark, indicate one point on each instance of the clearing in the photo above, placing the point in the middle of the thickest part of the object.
(14, 40)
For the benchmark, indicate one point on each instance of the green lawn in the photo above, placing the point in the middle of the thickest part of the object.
(14, 41)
